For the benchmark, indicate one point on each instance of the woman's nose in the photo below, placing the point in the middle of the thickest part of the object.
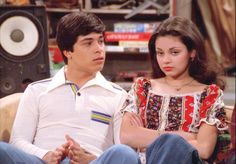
(166, 58)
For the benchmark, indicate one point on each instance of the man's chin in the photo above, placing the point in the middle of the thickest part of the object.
(98, 69)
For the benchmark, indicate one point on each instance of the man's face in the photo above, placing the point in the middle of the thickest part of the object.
(88, 53)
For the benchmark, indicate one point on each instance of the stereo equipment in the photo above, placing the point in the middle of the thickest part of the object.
(24, 56)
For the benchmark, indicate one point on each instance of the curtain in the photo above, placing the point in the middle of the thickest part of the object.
(219, 19)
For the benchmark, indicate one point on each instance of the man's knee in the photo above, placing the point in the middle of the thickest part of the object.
(4, 154)
(125, 153)
(3, 146)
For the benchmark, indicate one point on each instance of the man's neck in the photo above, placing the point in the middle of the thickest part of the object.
(78, 77)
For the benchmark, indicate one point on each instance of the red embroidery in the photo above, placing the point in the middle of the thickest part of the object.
(188, 113)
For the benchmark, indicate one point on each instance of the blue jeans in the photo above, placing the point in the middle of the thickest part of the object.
(169, 149)
(11, 155)
(117, 154)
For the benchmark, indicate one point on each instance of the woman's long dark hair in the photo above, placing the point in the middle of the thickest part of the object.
(200, 68)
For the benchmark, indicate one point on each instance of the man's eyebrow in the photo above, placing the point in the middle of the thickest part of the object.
(86, 39)
(90, 39)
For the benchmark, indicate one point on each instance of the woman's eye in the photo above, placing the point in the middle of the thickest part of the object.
(160, 53)
(174, 53)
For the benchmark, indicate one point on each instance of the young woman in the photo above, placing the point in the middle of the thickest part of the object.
(177, 114)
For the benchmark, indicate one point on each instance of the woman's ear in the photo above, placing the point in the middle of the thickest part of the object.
(193, 54)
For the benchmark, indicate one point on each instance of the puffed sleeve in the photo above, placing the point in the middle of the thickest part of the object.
(131, 105)
(212, 108)
(137, 98)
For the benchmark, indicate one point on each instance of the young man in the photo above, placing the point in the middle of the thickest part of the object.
(74, 116)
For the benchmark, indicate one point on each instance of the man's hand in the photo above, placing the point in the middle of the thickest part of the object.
(78, 154)
(56, 156)
(53, 157)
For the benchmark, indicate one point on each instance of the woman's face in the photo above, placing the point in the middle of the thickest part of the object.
(173, 56)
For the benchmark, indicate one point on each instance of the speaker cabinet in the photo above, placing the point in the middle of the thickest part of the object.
(23, 47)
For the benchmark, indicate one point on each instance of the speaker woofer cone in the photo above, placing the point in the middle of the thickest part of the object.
(21, 36)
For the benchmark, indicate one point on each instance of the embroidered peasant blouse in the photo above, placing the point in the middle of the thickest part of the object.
(177, 112)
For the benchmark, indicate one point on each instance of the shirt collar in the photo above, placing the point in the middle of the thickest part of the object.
(60, 79)
(100, 80)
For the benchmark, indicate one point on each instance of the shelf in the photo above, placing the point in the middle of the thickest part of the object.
(127, 56)
(119, 11)
(117, 60)
(61, 10)
(102, 11)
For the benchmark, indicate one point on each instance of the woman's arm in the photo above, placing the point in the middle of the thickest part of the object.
(205, 141)
(133, 134)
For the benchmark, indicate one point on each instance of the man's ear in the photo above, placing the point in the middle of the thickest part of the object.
(67, 54)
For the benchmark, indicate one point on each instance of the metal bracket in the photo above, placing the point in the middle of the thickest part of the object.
(147, 4)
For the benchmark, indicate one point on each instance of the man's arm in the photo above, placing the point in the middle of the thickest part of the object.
(117, 118)
(25, 124)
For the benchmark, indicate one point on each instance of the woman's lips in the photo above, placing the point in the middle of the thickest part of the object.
(168, 68)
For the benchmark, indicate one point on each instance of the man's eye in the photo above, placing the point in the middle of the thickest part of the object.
(88, 43)
(101, 41)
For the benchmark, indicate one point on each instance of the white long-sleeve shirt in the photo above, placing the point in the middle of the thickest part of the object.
(52, 108)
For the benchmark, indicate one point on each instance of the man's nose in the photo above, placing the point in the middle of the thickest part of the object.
(99, 46)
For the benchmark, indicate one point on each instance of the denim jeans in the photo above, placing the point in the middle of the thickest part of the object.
(166, 149)
(12, 155)
(171, 149)
(117, 154)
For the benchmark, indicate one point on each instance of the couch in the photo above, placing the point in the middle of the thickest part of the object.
(9, 105)
(8, 108)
